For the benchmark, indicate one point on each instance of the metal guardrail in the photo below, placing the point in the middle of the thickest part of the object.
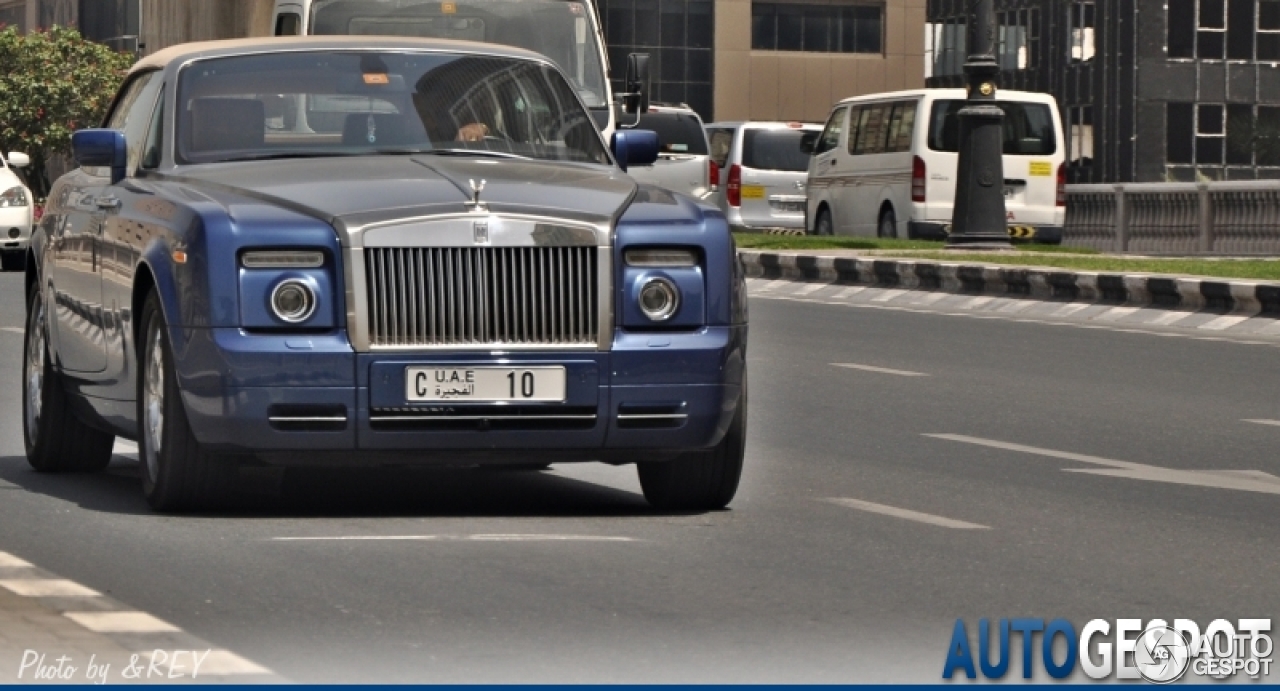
(1229, 218)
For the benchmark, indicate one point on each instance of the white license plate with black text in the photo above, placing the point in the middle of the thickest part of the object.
(484, 384)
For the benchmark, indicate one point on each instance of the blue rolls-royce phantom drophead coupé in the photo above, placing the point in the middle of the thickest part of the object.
(322, 251)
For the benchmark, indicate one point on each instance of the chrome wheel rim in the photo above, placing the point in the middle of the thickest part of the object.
(153, 403)
(35, 372)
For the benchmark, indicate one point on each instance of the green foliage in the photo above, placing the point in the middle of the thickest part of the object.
(51, 84)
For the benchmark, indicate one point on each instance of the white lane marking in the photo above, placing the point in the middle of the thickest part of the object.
(1242, 480)
(778, 283)
(848, 292)
(1264, 422)
(8, 561)
(1169, 318)
(807, 288)
(977, 302)
(124, 447)
(930, 298)
(1069, 309)
(491, 537)
(905, 513)
(889, 295)
(1223, 322)
(121, 622)
(47, 587)
(12, 329)
(882, 370)
(1115, 313)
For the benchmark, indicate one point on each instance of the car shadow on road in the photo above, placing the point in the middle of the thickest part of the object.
(420, 492)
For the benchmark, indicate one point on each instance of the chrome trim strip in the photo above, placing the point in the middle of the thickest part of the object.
(654, 416)
(373, 417)
(604, 295)
(307, 419)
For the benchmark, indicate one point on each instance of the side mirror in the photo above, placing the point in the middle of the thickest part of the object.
(18, 160)
(634, 147)
(101, 148)
(636, 100)
(809, 142)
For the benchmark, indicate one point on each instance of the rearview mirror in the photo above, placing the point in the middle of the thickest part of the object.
(636, 100)
(18, 160)
(634, 147)
(101, 148)
(809, 142)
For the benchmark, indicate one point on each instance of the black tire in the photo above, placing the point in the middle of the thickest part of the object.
(822, 225)
(56, 440)
(177, 474)
(700, 481)
(887, 227)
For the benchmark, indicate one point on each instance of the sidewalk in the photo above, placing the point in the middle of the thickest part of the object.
(883, 269)
(53, 630)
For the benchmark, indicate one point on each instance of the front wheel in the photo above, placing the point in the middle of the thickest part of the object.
(703, 480)
(823, 226)
(177, 474)
(56, 440)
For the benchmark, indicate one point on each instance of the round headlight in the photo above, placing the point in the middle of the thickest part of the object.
(14, 232)
(659, 299)
(293, 301)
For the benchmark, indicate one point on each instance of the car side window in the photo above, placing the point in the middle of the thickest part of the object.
(133, 111)
(831, 133)
(155, 135)
(871, 129)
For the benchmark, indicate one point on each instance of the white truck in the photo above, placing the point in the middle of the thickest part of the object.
(566, 31)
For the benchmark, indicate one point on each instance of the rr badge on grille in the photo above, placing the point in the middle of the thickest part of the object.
(480, 232)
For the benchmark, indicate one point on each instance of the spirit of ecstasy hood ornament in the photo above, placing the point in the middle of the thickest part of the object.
(475, 194)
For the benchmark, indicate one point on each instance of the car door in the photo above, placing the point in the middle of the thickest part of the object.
(773, 173)
(77, 252)
(824, 180)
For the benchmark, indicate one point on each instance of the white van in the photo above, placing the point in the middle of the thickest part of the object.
(885, 165)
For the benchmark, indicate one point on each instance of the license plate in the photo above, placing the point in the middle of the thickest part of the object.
(753, 191)
(789, 207)
(484, 384)
(1010, 192)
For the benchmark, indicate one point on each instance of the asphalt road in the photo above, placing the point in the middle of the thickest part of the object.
(818, 572)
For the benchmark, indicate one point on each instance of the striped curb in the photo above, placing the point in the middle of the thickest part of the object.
(1148, 290)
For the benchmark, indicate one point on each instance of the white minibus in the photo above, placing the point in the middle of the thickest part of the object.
(885, 165)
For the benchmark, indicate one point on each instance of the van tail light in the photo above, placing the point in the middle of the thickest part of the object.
(917, 179)
(1062, 184)
(733, 189)
(713, 175)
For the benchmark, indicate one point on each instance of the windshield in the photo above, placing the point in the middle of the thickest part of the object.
(774, 150)
(678, 133)
(347, 103)
(1028, 127)
(562, 30)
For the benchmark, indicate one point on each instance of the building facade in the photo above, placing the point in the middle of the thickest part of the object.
(1150, 90)
(143, 26)
(769, 59)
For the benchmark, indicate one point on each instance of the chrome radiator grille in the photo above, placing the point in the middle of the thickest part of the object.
(426, 296)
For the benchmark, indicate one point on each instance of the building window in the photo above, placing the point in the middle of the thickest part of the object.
(945, 45)
(1214, 134)
(13, 14)
(1224, 29)
(814, 28)
(677, 35)
(1080, 135)
(1211, 133)
(1017, 38)
(1082, 25)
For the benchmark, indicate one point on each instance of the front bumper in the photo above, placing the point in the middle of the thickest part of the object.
(758, 222)
(936, 230)
(313, 401)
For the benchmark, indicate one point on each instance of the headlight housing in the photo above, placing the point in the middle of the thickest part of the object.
(293, 301)
(14, 196)
(659, 298)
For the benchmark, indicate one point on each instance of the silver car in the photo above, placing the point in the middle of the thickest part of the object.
(762, 172)
(684, 163)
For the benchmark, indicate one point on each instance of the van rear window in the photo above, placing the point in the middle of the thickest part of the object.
(774, 150)
(678, 133)
(1028, 127)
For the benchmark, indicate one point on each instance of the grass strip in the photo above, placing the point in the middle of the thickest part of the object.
(1254, 269)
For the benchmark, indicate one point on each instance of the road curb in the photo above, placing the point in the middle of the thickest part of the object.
(1223, 296)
